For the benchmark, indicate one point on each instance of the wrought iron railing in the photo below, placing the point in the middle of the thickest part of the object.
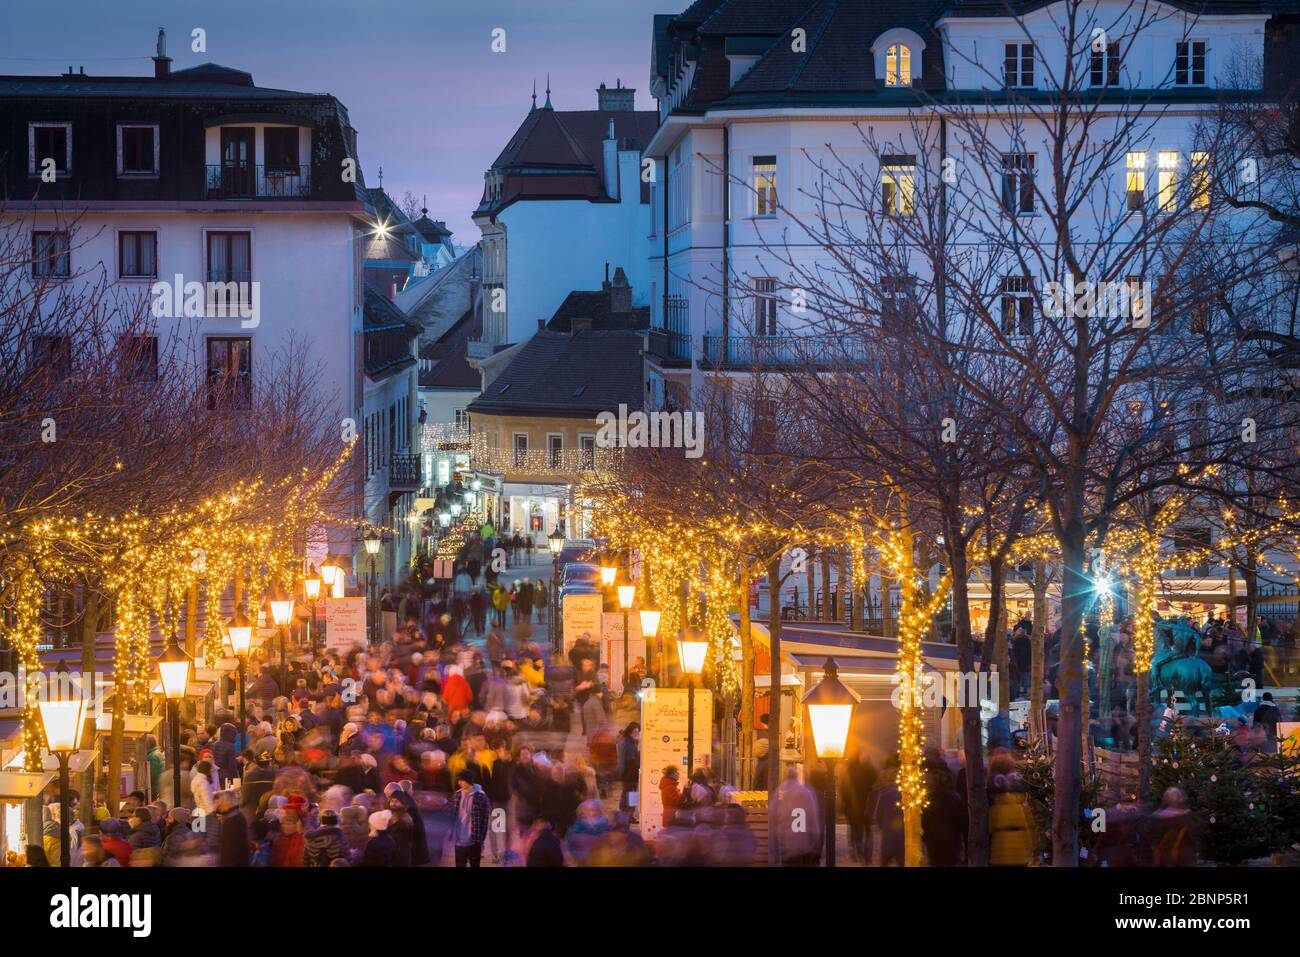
(404, 470)
(766, 352)
(230, 181)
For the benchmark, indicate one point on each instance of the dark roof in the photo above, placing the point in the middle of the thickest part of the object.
(559, 154)
(380, 279)
(836, 69)
(450, 355)
(574, 376)
(379, 313)
(433, 230)
(206, 81)
(595, 305)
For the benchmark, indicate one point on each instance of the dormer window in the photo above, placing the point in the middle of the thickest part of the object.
(897, 57)
(898, 65)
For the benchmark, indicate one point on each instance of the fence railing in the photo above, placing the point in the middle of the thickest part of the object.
(230, 181)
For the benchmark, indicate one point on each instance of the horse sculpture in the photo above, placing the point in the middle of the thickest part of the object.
(1176, 667)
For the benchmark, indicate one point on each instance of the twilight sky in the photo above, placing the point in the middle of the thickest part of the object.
(431, 102)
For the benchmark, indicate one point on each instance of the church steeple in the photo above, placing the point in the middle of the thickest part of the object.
(534, 94)
(548, 93)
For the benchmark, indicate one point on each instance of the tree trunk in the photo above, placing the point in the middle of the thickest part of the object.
(1143, 679)
(746, 744)
(826, 587)
(997, 577)
(774, 712)
(1038, 640)
(1067, 780)
(1250, 572)
(977, 795)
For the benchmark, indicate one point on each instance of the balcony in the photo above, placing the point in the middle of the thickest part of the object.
(258, 182)
(670, 343)
(547, 464)
(780, 352)
(404, 472)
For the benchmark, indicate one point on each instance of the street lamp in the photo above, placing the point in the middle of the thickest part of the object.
(240, 630)
(607, 574)
(63, 719)
(626, 595)
(281, 604)
(691, 651)
(174, 671)
(311, 589)
(830, 709)
(444, 519)
(650, 631)
(556, 542)
(332, 576)
(373, 542)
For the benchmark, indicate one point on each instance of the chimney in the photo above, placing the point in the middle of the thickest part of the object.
(541, 325)
(162, 63)
(620, 294)
(620, 99)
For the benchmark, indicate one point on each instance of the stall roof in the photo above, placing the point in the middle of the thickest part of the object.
(133, 724)
(18, 786)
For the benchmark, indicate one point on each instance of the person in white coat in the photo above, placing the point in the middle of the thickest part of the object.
(798, 821)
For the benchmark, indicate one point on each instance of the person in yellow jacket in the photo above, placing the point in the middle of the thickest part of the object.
(1011, 841)
(533, 671)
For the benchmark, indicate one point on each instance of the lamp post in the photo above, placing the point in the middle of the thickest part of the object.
(63, 719)
(281, 604)
(556, 542)
(830, 709)
(240, 630)
(626, 595)
(311, 589)
(649, 631)
(174, 672)
(373, 542)
(691, 651)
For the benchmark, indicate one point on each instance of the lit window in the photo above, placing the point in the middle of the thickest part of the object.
(1167, 180)
(1136, 186)
(898, 185)
(764, 184)
(1200, 180)
(1017, 306)
(898, 65)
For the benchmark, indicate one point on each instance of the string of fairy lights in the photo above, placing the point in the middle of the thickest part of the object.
(147, 566)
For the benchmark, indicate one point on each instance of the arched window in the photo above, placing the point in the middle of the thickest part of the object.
(898, 65)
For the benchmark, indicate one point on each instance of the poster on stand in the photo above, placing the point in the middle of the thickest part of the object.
(581, 618)
(664, 717)
(345, 623)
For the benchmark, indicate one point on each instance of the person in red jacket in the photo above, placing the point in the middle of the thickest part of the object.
(670, 792)
(456, 692)
(112, 833)
(289, 844)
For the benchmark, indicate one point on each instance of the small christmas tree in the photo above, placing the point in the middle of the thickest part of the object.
(1224, 787)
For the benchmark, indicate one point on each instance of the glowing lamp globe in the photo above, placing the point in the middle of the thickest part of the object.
(372, 543)
(650, 622)
(830, 709)
(174, 671)
(556, 541)
(240, 630)
(626, 595)
(63, 715)
(607, 574)
(691, 651)
(311, 584)
(281, 607)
